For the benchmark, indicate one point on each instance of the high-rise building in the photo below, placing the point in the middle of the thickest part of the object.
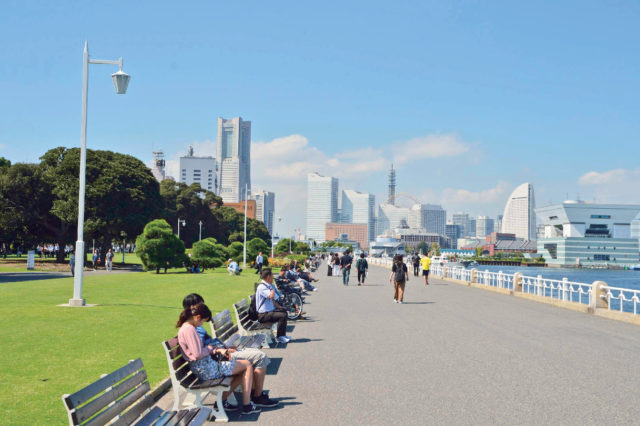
(359, 208)
(497, 226)
(158, 169)
(322, 204)
(462, 220)
(347, 231)
(430, 217)
(453, 233)
(471, 230)
(391, 217)
(234, 157)
(484, 226)
(200, 170)
(519, 213)
(265, 207)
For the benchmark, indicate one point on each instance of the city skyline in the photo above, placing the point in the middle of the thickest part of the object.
(485, 101)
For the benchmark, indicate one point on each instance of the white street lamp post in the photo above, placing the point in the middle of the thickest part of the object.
(121, 82)
(244, 247)
(200, 235)
(181, 222)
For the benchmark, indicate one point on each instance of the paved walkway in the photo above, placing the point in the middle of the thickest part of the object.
(451, 355)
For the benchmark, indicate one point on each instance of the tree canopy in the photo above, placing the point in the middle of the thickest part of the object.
(158, 247)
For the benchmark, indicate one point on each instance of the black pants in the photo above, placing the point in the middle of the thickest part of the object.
(361, 276)
(275, 316)
(416, 270)
(258, 268)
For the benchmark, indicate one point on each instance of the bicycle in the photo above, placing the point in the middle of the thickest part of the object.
(290, 300)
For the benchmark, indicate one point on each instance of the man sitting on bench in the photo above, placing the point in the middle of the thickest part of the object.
(258, 359)
(268, 309)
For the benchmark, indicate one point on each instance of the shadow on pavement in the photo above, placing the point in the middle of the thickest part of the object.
(15, 277)
(417, 303)
(274, 365)
(284, 402)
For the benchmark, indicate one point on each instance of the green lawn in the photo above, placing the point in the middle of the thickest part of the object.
(47, 351)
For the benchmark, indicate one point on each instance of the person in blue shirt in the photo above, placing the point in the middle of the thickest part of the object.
(233, 268)
(268, 309)
(293, 275)
(258, 359)
(259, 263)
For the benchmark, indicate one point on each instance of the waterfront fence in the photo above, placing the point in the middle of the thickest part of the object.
(597, 294)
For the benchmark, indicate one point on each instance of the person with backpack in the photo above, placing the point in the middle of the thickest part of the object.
(416, 264)
(267, 308)
(362, 266)
(345, 266)
(399, 275)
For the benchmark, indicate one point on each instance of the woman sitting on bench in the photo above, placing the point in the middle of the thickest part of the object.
(201, 362)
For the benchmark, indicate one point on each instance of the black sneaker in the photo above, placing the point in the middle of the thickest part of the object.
(264, 401)
(226, 405)
(250, 408)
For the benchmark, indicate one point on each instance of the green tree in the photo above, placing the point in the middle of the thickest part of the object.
(435, 249)
(478, 251)
(423, 247)
(235, 250)
(236, 237)
(302, 247)
(255, 246)
(208, 253)
(4, 164)
(192, 204)
(283, 245)
(158, 247)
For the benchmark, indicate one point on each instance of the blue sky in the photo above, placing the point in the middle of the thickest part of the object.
(471, 98)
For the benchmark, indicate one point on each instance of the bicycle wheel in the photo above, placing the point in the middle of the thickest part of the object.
(292, 300)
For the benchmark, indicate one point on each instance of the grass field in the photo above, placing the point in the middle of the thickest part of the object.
(47, 351)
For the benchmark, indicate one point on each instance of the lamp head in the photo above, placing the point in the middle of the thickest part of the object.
(120, 81)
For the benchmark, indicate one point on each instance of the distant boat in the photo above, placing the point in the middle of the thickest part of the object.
(635, 267)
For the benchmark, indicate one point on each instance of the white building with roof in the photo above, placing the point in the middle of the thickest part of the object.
(358, 207)
(265, 207)
(580, 233)
(391, 217)
(519, 213)
(322, 204)
(200, 170)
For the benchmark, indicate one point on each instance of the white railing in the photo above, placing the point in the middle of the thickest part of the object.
(624, 299)
(619, 299)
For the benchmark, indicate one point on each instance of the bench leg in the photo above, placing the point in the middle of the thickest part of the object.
(219, 414)
(176, 398)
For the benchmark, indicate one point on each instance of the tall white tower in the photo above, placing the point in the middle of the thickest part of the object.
(234, 157)
(519, 216)
(158, 169)
(322, 204)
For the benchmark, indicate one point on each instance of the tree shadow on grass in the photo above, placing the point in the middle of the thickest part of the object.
(174, 308)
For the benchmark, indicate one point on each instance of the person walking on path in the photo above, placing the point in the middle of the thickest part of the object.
(329, 265)
(336, 265)
(399, 275)
(426, 264)
(345, 266)
(72, 263)
(416, 265)
(94, 259)
(259, 263)
(362, 266)
(109, 260)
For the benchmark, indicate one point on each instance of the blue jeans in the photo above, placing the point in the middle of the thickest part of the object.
(345, 275)
(307, 285)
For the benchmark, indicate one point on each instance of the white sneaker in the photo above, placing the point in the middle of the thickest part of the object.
(395, 301)
(400, 302)
(282, 339)
(288, 338)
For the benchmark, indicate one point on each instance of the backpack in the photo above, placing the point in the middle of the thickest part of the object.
(399, 275)
(253, 311)
(361, 265)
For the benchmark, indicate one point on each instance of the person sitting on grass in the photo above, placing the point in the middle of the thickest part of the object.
(201, 362)
(258, 359)
(233, 268)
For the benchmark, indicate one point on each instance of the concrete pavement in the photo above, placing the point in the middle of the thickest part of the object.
(450, 355)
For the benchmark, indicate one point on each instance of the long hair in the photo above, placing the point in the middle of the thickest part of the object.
(191, 311)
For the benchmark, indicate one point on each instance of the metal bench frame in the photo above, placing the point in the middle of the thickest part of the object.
(122, 398)
(249, 327)
(184, 382)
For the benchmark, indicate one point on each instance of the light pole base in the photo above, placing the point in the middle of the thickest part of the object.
(76, 303)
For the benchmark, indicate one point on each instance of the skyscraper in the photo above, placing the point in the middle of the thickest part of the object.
(359, 208)
(200, 170)
(453, 233)
(158, 169)
(265, 207)
(430, 217)
(519, 214)
(391, 199)
(462, 220)
(391, 217)
(484, 226)
(322, 204)
(234, 157)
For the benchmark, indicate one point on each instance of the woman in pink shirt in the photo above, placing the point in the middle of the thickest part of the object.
(203, 365)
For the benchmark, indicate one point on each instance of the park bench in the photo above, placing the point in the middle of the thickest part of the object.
(123, 398)
(248, 327)
(184, 382)
(224, 329)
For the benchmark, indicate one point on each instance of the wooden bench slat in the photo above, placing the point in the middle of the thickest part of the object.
(201, 416)
(86, 411)
(189, 416)
(150, 417)
(162, 421)
(134, 412)
(108, 414)
(76, 399)
(173, 347)
(177, 419)
(221, 382)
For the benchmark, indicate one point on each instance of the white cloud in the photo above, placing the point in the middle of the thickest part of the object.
(432, 146)
(616, 176)
(613, 186)
(464, 196)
